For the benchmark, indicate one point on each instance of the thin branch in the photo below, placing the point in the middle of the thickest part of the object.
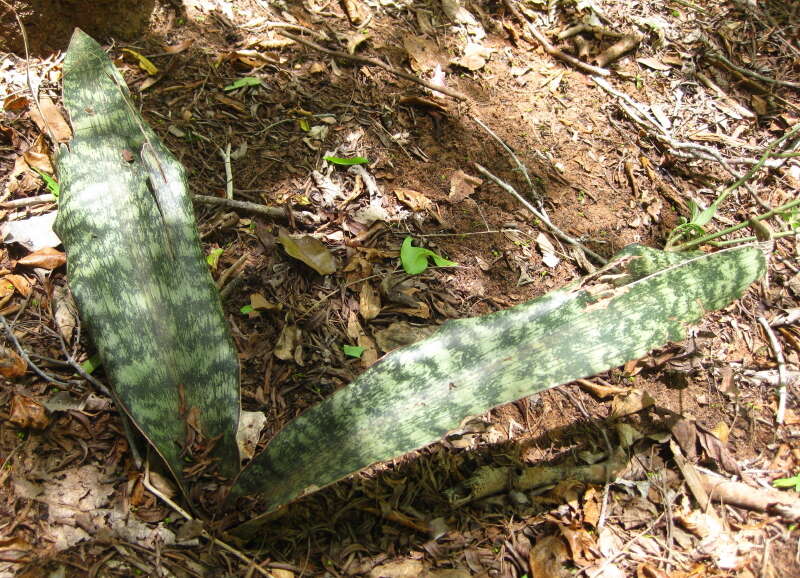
(26, 357)
(374, 62)
(541, 216)
(783, 378)
(28, 201)
(751, 73)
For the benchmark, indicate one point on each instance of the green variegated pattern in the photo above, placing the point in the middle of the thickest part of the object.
(136, 267)
(416, 394)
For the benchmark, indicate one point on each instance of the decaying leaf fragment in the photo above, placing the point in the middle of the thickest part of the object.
(309, 250)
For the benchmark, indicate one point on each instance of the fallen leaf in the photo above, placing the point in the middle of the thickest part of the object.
(549, 558)
(475, 56)
(400, 333)
(413, 200)
(20, 283)
(398, 569)
(178, 48)
(15, 549)
(260, 303)
(423, 54)
(51, 117)
(635, 400)
(16, 103)
(250, 425)
(143, 62)
(370, 353)
(716, 450)
(47, 258)
(602, 391)
(654, 63)
(65, 312)
(462, 186)
(581, 544)
(549, 257)
(27, 413)
(369, 302)
(288, 342)
(309, 250)
(23, 179)
(33, 233)
(11, 364)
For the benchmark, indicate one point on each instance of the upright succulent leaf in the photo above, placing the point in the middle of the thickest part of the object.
(137, 270)
(415, 395)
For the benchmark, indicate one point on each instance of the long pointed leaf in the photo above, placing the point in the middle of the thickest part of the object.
(415, 395)
(136, 268)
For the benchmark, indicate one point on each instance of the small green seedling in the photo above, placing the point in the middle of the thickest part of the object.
(693, 228)
(793, 482)
(415, 259)
(50, 182)
(213, 258)
(353, 350)
(346, 162)
(242, 83)
(246, 309)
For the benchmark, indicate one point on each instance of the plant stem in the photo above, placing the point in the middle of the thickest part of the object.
(767, 215)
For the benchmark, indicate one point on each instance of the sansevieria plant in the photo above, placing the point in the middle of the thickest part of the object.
(143, 289)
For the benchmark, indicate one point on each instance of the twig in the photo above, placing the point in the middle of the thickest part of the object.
(783, 379)
(541, 216)
(216, 541)
(374, 62)
(752, 73)
(520, 167)
(640, 116)
(560, 54)
(26, 357)
(226, 157)
(276, 212)
(28, 201)
(734, 228)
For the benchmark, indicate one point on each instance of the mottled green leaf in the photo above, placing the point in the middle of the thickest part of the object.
(415, 395)
(136, 268)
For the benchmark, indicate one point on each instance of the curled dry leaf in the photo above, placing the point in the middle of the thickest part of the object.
(53, 119)
(65, 312)
(27, 413)
(369, 302)
(308, 250)
(33, 233)
(250, 425)
(414, 200)
(636, 400)
(289, 346)
(20, 283)
(11, 364)
(38, 156)
(47, 258)
(548, 558)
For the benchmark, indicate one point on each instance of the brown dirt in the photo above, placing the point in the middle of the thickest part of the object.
(604, 180)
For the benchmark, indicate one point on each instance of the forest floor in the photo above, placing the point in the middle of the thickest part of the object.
(694, 96)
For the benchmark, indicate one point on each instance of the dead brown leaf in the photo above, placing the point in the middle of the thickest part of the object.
(716, 450)
(178, 48)
(16, 103)
(289, 346)
(369, 302)
(38, 156)
(11, 364)
(22, 179)
(20, 283)
(370, 353)
(413, 200)
(581, 544)
(462, 186)
(600, 390)
(635, 400)
(423, 54)
(309, 250)
(47, 258)
(548, 558)
(27, 413)
(52, 119)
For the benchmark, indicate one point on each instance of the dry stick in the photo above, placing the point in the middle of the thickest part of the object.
(552, 50)
(783, 379)
(276, 212)
(520, 167)
(226, 157)
(555, 230)
(28, 201)
(752, 73)
(217, 542)
(636, 113)
(374, 62)
(24, 355)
